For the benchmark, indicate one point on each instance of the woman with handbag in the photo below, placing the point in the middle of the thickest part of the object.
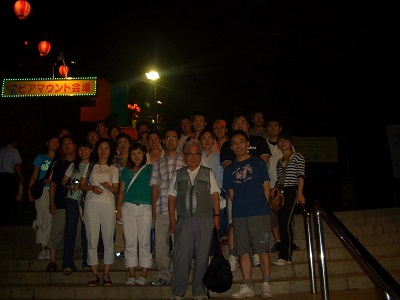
(73, 222)
(134, 209)
(291, 167)
(42, 222)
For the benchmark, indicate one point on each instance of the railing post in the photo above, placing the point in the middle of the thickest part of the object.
(321, 254)
(310, 254)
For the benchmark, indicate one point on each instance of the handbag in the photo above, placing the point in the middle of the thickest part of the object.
(37, 188)
(277, 197)
(218, 276)
(83, 197)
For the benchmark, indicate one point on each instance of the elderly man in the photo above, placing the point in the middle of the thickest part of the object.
(193, 206)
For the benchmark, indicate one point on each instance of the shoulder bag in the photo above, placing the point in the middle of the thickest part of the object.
(277, 197)
(37, 188)
(218, 276)
(83, 197)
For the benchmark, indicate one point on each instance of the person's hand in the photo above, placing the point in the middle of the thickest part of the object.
(30, 197)
(52, 208)
(300, 199)
(106, 185)
(97, 190)
(119, 214)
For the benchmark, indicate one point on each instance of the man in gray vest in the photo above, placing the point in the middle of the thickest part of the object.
(193, 207)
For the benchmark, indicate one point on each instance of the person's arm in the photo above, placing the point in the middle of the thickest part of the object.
(52, 192)
(33, 179)
(86, 187)
(171, 212)
(226, 155)
(300, 197)
(231, 193)
(155, 192)
(64, 182)
(265, 158)
(267, 190)
(18, 171)
(121, 196)
(226, 163)
(215, 198)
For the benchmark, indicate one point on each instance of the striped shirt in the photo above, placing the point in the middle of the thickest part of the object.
(163, 169)
(295, 168)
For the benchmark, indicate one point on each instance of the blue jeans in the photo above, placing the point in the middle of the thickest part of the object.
(71, 226)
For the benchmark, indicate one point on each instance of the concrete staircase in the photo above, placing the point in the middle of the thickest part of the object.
(22, 276)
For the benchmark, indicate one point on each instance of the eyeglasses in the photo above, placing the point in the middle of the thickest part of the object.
(283, 140)
(257, 118)
(174, 138)
(193, 154)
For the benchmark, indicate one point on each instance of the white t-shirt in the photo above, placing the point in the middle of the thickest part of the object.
(101, 173)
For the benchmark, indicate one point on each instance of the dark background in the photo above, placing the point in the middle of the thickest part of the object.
(325, 69)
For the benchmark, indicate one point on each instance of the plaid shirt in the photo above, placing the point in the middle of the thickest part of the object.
(163, 169)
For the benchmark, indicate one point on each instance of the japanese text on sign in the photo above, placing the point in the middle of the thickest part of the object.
(48, 87)
(317, 149)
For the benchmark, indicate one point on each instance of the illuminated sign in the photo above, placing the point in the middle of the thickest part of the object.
(48, 87)
(317, 149)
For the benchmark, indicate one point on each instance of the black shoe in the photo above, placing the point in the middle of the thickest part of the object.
(276, 247)
(51, 267)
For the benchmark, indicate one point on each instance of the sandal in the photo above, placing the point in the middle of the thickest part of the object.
(67, 271)
(87, 269)
(51, 267)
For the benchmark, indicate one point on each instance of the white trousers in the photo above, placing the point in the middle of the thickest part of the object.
(42, 224)
(137, 222)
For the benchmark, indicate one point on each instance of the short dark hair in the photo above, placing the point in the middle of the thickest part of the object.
(11, 139)
(170, 129)
(239, 132)
(135, 146)
(111, 127)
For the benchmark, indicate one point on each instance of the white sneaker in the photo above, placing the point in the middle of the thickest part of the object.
(233, 261)
(131, 281)
(281, 262)
(255, 259)
(266, 290)
(244, 292)
(43, 255)
(141, 280)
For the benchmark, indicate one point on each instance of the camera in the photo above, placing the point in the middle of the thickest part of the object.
(74, 182)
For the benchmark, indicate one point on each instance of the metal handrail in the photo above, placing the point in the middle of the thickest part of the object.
(389, 286)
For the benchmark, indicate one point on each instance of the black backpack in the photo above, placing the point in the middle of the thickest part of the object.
(218, 277)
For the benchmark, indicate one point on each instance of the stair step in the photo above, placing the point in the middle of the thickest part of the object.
(23, 276)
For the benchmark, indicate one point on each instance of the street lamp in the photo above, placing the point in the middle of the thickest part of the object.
(153, 75)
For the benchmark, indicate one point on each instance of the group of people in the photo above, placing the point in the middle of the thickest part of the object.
(186, 185)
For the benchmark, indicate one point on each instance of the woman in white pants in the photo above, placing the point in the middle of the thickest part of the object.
(99, 212)
(134, 207)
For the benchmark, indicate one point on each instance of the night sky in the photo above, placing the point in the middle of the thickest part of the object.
(326, 69)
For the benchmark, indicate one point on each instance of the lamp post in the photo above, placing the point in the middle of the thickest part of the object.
(153, 75)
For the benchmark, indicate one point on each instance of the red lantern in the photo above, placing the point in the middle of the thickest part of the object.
(44, 48)
(22, 9)
(63, 70)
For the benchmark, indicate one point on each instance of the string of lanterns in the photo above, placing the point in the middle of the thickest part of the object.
(22, 10)
(134, 108)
